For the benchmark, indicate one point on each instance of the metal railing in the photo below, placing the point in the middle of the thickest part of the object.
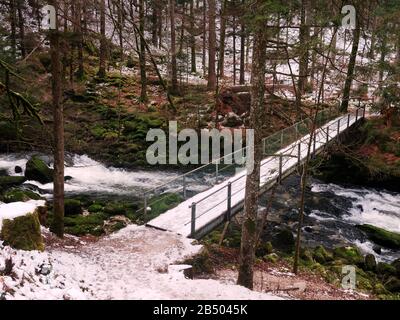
(225, 193)
(218, 171)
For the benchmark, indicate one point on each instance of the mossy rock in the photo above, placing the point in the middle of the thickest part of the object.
(37, 170)
(19, 195)
(385, 269)
(72, 207)
(272, 258)
(369, 262)
(284, 240)
(382, 237)
(396, 265)
(114, 209)
(201, 263)
(8, 181)
(393, 284)
(80, 225)
(23, 233)
(350, 254)
(321, 255)
(306, 255)
(94, 208)
(264, 249)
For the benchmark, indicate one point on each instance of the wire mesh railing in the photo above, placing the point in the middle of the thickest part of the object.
(219, 170)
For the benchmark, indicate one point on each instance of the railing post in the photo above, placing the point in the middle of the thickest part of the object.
(184, 186)
(348, 120)
(193, 221)
(299, 154)
(145, 204)
(280, 168)
(229, 202)
(338, 127)
(327, 134)
(216, 172)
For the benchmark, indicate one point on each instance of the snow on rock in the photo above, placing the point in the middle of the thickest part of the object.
(17, 209)
(135, 263)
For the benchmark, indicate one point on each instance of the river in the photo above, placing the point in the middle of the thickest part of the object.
(332, 211)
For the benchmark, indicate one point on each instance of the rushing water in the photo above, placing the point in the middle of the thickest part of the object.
(332, 211)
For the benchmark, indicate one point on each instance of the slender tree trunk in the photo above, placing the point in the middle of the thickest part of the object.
(103, 40)
(21, 27)
(174, 69)
(192, 39)
(142, 55)
(234, 48)
(350, 70)
(242, 52)
(78, 11)
(58, 122)
(154, 23)
(13, 22)
(221, 61)
(212, 78)
(204, 37)
(382, 60)
(249, 227)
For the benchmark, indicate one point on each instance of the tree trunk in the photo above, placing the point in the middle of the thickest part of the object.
(154, 23)
(204, 37)
(221, 60)
(174, 72)
(103, 40)
(21, 28)
(350, 70)
(242, 52)
(212, 78)
(13, 22)
(78, 11)
(58, 127)
(142, 54)
(234, 47)
(249, 227)
(192, 39)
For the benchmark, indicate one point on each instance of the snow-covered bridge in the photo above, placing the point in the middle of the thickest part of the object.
(200, 214)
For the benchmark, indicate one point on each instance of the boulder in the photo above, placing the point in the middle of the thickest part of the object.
(284, 239)
(381, 237)
(350, 255)
(396, 265)
(23, 233)
(20, 195)
(321, 255)
(393, 285)
(383, 269)
(38, 170)
(370, 262)
(18, 169)
(264, 248)
(115, 223)
(8, 182)
(232, 120)
(72, 207)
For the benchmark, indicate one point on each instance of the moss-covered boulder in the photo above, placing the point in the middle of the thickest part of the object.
(306, 255)
(10, 181)
(38, 170)
(393, 284)
(72, 207)
(23, 232)
(385, 269)
(20, 195)
(264, 248)
(396, 265)
(369, 262)
(351, 255)
(80, 225)
(381, 236)
(321, 255)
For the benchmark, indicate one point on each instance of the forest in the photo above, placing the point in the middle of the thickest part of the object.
(245, 149)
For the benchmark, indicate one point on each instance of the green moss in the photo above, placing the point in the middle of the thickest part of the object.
(72, 207)
(23, 232)
(37, 170)
(81, 225)
(383, 269)
(7, 182)
(201, 263)
(94, 208)
(382, 237)
(17, 195)
(264, 248)
(321, 255)
(162, 203)
(349, 254)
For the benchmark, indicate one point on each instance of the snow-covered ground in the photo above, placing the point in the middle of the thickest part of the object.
(135, 263)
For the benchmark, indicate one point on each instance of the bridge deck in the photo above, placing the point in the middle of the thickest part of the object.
(211, 206)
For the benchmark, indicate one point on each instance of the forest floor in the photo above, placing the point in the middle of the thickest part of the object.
(135, 263)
